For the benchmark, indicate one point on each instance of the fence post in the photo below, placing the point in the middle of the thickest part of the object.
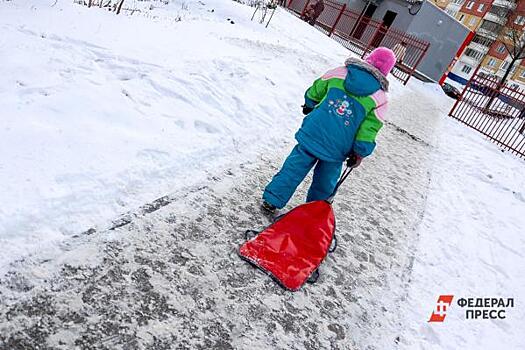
(337, 20)
(416, 64)
(304, 9)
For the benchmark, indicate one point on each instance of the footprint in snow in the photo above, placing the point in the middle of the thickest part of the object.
(205, 127)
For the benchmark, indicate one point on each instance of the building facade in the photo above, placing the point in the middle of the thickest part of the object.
(442, 4)
(488, 19)
(424, 20)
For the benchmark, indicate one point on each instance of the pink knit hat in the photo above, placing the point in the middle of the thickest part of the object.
(383, 59)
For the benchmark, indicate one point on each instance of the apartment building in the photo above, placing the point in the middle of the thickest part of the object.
(442, 4)
(488, 18)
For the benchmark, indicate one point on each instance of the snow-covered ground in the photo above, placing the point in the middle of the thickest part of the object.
(470, 243)
(102, 113)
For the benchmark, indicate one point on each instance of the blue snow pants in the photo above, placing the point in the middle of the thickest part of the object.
(294, 170)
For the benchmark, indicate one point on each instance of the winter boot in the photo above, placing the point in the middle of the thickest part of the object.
(268, 209)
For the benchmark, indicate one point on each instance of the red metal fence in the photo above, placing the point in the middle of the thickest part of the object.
(495, 110)
(362, 34)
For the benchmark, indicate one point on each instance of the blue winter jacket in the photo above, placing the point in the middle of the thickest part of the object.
(349, 104)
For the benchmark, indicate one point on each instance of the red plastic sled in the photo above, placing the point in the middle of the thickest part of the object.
(292, 248)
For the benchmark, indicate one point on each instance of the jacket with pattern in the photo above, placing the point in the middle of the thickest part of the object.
(349, 104)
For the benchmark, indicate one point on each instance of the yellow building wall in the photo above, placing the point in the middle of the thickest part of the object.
(517, 74)
(493, 68)
(442, 4)
(470, 21)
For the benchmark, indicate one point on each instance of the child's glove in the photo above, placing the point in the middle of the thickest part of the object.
(354, 160)
(306, 109)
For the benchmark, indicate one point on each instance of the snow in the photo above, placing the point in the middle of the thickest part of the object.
(103, 113)
(471, 243)
(99, 118)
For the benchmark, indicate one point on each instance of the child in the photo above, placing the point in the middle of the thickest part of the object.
(344, 112)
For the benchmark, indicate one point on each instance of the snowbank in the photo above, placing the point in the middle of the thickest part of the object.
(102, 113)
(470, 241)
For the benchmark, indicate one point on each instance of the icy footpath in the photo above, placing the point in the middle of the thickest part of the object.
(172, 279)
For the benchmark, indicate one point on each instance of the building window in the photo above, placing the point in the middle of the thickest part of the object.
(472, 21)
(520, 20)
(452, 12)
(466, 69)
(470, 4)
(461, 17)
(491, 63)
(501, 48)
(522, 75)
(473, 53)
(504, 66)
(491, 26)
(499, 11)
(480, 7)
(458, 2)
(482, 40)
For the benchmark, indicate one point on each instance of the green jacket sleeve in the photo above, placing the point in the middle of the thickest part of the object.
(365, 139)
(316, 93)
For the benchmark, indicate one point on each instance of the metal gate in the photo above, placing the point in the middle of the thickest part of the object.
(362, 34)
(494, 109)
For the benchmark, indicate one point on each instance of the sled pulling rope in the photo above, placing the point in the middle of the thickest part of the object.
(342, 179)
(293, 247)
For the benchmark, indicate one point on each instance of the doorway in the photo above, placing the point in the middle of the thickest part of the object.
(365, 19)
(388, 19)
(370, 10)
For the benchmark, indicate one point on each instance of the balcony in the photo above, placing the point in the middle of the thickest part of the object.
(486, 72)
(495, 18)
(471, 61)
(505, 3)
(500, 73)
(478, 47)
(453, 6)
(486, 33)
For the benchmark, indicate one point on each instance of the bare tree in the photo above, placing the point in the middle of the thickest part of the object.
(512, 39)
(514, 43)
